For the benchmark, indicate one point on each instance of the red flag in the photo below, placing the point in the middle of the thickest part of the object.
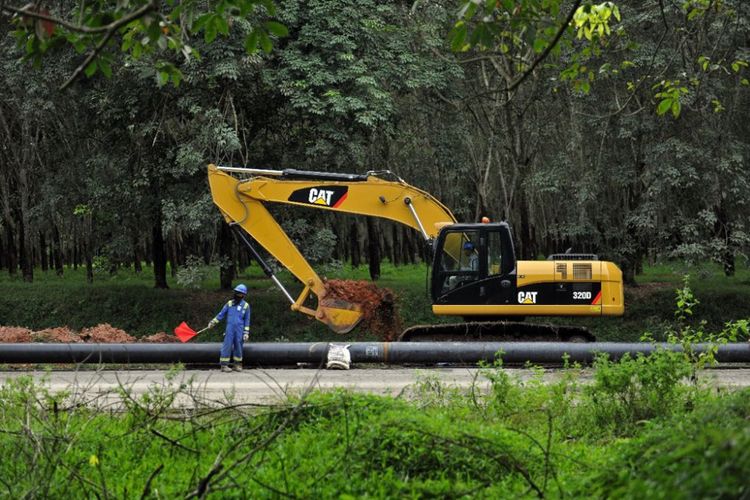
(184, 332)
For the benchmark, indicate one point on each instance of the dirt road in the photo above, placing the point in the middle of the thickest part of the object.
(102, 388)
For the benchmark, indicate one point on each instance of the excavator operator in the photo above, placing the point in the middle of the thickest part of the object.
(471, 263)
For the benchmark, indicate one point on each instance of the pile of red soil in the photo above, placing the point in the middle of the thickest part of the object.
(57, 335)
(103, 334)
(380, 314)
(14, 334)
(160, 338)
(106, 334)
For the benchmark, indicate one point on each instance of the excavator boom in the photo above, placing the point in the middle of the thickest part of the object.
(242, 203)
(475, 273)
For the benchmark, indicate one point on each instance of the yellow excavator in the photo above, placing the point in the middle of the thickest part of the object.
(475, 274)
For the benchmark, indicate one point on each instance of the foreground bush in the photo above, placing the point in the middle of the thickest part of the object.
(638, 431)
(700, 454)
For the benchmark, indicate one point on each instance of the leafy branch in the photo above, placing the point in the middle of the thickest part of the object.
(151, 28)
(111, 30)
(30, 13)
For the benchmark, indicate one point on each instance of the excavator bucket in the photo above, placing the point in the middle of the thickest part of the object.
(340, 316)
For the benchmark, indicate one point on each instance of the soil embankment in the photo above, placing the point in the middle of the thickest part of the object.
(99, 334)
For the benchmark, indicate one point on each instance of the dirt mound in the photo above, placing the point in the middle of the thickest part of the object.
(56, 335)
(14, 334)
(106, 334)
(160, 338)
(378, 304)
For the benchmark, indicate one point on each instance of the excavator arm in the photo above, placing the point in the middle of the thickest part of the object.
(242, 203)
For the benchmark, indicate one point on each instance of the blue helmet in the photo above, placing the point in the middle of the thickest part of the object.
(468, 245)
(241, 289)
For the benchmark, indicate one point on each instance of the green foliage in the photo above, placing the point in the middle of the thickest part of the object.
(526, 29)
(670, 95)
(698, 454)
(127, 300)
(569, 157)
(140, 28)
(636, 389)
(82, 210)
(317, 245)
(592, 20)
(434, 442)
(192, 273)
(685, 301)
(688, 335)
(344, 70)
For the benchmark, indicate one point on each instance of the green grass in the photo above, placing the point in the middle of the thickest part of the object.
(636, 432)
(128, 300)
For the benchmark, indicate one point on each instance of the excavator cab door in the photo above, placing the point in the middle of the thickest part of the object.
(474, 264)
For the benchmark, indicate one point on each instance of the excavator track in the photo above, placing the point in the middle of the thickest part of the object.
(496, 331)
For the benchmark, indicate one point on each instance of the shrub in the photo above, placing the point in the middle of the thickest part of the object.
(701, 454)
(634, 389)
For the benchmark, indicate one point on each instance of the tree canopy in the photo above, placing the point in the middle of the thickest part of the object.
(607, 127)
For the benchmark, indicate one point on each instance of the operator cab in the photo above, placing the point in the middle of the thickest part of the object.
(473, 264)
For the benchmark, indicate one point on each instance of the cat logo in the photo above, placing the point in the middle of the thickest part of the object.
(324, 196)
(527, 297)
(320, 196)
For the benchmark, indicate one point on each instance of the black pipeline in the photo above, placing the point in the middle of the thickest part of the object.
(275, 354)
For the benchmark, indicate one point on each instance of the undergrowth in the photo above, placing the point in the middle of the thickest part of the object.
(636, 431)
(128, 301)
(641, 427)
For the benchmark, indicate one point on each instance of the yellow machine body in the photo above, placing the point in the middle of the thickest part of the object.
(493, 284)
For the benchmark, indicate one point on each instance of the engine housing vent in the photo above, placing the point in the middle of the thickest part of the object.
(573, 256)
(581, 271)
(563, 270)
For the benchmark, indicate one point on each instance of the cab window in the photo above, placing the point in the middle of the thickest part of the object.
(494, 254)
(460, 260)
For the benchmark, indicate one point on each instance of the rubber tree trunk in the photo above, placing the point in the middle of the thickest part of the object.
(148, 253)
(343, 243)
(11, 252)
(43, 255)
(728, 260)
(373, 248)
(412, 246)
(27, 250)
(57, 253)
(172, 253)
(89, 268)
(631, 261)
(75, 253)
(528, 251)
(723, 231)
(354, 243)
(226, 266)
(137, 267)
(158, 252)
(88, 246)
(395, 240)
(628, 272)
(25, 253)
(206, 252)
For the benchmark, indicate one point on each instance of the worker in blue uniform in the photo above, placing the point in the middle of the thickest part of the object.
(237, 313)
